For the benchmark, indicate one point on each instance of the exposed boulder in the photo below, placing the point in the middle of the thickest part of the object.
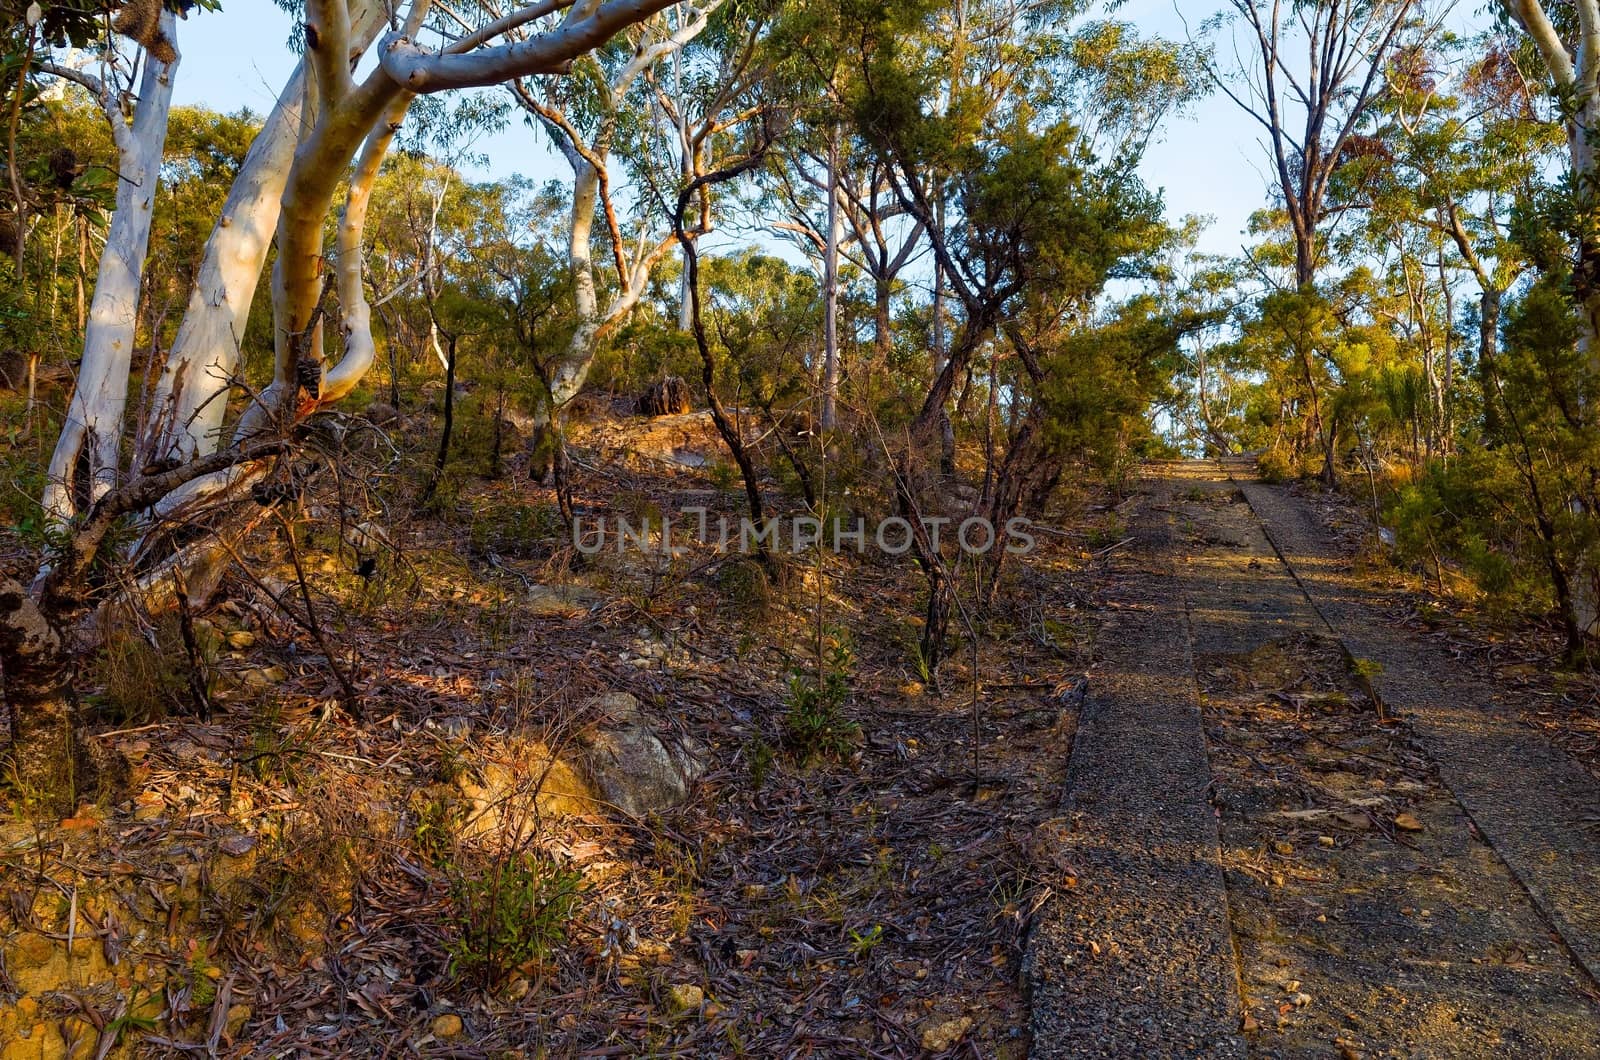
(508, 796)
(622, 763)
(636, 768)
(381, 413)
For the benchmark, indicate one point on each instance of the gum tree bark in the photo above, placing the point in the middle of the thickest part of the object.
(191, 397)
(36, 666)
(589, 155)
(86, 464)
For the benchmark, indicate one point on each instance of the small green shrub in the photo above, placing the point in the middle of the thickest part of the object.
(514, 914)
(761, 757)
(1276, 466)
(515, 529)
(744, 584)
(814, 725)
(724, 476)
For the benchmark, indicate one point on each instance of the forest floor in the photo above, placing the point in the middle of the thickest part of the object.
(1224, 848)
(278, 878)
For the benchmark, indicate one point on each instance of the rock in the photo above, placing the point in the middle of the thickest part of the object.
(238, 1016)
(147, 806)
(648, 952)
(381, 413)
(633, 767)
(237, 846)
(453, 728)
(1325, 840)
(241, 640)
(446, 1026)
(1283, 848)
(510, 795)
(1407, 822)
(1292, 986)
(33, 951)
(371, 543)
(940, 1035)
(685, 997)
(564, 600)
(1301, 1000)
(258, 679)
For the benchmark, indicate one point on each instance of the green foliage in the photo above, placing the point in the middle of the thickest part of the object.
(814, 725)
(863, 943)
(514, 528)
(743, 583)
(515, 913)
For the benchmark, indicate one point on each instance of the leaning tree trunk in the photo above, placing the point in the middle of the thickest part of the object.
(86, 464)
(567, 378)
(191, 398)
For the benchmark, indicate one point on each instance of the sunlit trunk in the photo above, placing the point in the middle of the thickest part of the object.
(85, 464)
(570, 373)
(191, 398)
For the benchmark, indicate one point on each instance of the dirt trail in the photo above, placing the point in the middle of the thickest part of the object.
(1364, 913)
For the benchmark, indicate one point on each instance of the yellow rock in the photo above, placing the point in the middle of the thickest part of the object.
(34, 951)
(29, 1048)
(940, 1035)
(447, 1026)
(500, 795)
(685, 997)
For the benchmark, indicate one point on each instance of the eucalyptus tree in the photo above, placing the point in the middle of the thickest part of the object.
(620, 100)
(92, 434)
(1459, 143)
(1567, 39)
(1029, 220)
(1309, 74)
(340, 118)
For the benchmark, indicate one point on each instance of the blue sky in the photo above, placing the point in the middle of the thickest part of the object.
(1208, 162)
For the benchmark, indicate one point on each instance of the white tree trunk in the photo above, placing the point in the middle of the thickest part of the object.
(191, 398)
(567, 378)
(91, 438)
